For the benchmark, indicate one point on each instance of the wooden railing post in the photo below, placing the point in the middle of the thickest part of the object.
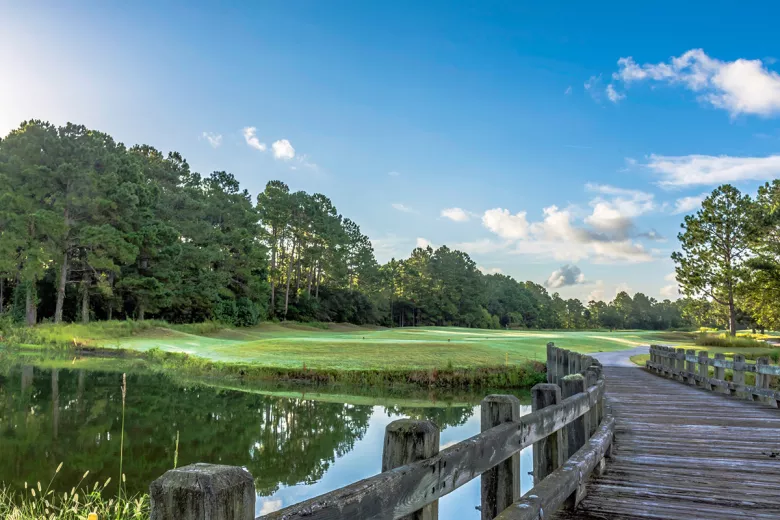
(576, 431)
(203, 491)
(764, 380)
(720, 371)
(549, 452)
(690, 367)
(704, 368)
(559, 373)
(738, 377)
(500, 485)
(407, 441)
(591, 378)
(680, 365)
(564, 365)
(576, 434)
(552, 367)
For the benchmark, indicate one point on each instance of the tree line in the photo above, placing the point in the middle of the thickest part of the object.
(91, 229)
(729, 263)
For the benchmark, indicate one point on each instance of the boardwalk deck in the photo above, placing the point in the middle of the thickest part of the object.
(684, 453)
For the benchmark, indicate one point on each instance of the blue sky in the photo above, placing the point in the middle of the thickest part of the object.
(559, 159)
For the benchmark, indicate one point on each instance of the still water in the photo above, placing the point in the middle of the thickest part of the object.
(295, 447)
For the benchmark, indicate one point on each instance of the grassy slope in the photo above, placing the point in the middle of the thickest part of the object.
(352, 348)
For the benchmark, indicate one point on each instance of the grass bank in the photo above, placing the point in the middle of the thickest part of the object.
(328, 354)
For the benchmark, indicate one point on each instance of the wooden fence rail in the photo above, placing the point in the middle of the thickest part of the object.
(693, 368)
(568, 428)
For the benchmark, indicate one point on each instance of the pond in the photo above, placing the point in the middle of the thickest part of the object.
(296, 447)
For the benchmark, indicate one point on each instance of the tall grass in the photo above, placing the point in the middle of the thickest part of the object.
(68, 335)
(726, 341)
(35, 503)
(122, 440)
(81, 502)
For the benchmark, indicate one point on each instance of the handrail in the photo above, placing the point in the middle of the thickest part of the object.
(552, 493)
(567, 427)
(692, 367)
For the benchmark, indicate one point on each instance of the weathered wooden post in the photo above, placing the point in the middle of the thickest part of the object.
(759, 376)
(690, 366)
(203, 492)
(564, 365)
(719, 369)
(549, 452)
(576, 434)
(704, 368)
(407, 441)
(500, 485)
(591, 378)
(764, 380)
(552, 365)
(585, 364)
(576, 431)
(680, 365)
(575, 362)
(738, 377)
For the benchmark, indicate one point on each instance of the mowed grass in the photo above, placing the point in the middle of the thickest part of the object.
(346, 347)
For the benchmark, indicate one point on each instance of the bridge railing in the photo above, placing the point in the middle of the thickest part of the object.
(693, 368)
(568, 428)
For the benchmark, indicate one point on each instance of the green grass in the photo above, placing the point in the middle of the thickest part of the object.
(352, 348)
(640, 359)
(339, 347)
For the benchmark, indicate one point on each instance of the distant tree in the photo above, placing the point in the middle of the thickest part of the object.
(715, 244)
(760, 292)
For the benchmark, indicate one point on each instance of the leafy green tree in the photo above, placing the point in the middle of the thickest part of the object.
(715, 244)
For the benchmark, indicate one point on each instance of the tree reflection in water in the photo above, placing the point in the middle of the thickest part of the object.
(74, 416)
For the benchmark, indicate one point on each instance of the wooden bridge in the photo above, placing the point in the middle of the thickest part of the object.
(688, 437)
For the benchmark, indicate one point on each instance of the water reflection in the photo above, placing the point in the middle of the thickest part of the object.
(295, 448)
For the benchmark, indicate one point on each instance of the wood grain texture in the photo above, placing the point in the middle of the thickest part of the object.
(683, 453)
(404, 490)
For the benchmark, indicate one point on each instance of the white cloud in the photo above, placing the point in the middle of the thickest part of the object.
(597, 294)
(623, 287)
(501, 222)
(423, 242)
(558, 237)
(215, 140)
(672, 290)
(270, 506)
(482, 246)
(393, 174)
(250, 136)
(401, 207)
(564, 276)
(741, 86)
(390, 246)
(688, 204)
(455, 214)
(690, 170)
(613, 95)
(593, 87)
(283, 150)
(490, 270)
(304, 161)
(616, 214)
(568, 91)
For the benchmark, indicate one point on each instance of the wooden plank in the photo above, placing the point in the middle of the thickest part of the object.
(684, 453)
(401, 491)
(550, 494)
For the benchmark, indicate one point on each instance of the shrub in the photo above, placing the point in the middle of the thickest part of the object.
(726, 341)
(247, 313)
(225, 311)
